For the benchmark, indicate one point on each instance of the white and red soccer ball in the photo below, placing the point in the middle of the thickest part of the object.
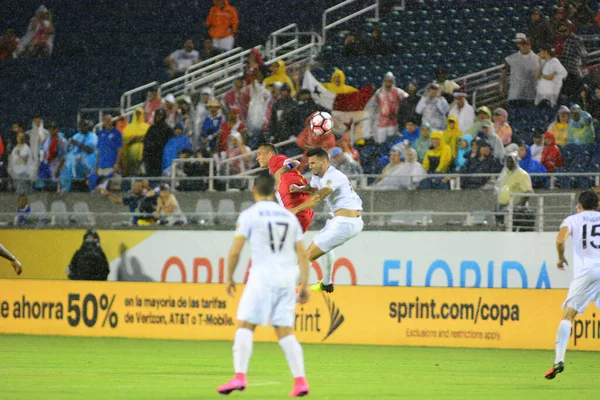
(321, 123)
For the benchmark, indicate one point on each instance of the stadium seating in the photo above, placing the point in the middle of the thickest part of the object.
(58, 212)
(226, 212)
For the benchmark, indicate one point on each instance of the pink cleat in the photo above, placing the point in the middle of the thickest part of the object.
(300, 387)
(239, 382)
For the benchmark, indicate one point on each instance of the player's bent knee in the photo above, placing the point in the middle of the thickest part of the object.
(246, 325)
(570, 314)
(283, 331)
(314, 252)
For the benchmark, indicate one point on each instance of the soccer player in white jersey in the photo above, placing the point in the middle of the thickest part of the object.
(275, 239)
(333, 186)
(16, 264)
(584, 227)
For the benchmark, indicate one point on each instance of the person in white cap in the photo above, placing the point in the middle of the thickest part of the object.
(172, 110)
(206, 95)
(463, 111)
(386, 101)
(520, 67)
(433, 107)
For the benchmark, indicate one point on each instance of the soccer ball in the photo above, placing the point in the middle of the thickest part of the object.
(321, 123)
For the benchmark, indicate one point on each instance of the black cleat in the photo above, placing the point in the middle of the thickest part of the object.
(555, 370)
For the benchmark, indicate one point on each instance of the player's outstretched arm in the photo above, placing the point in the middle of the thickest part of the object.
(232, 262)
(302, 189)
(561, 238)
(304, 293)
(313, 200)
(16, 264)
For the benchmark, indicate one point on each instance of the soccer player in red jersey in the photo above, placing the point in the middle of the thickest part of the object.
(267, 157)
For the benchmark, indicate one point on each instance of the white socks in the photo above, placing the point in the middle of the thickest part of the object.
(242, 350)
(562, 339)
(327, 262)
(293, 354)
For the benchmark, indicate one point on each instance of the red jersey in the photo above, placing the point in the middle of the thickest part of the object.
(291, 200)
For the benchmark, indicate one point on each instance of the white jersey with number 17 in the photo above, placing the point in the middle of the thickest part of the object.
(272, 233)
(343, 196)
(584, 227)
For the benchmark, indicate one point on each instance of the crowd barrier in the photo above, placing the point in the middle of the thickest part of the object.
(448, 317)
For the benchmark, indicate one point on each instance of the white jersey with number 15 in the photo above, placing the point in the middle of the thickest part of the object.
(585, 230)
(343, 196)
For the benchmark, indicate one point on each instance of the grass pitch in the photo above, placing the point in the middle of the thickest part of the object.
(40, 367)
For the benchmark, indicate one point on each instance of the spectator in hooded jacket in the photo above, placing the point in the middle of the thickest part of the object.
(520, 67)
(488, 134)
(433, 107)
(80, 160)
(551, 156)
(560, 127)
(222, 22)
(238, 96)
(279, 74)
(438, 156)
(337, 84)
(387, 101)
(408, 106)
(501, 126)
(464, 151)
(581, 126)
(484, 163)
(512, 180)
(154, 144)
(401, 175)
(178, 142)
(531, 166)
(133, 141)
(36, 136)
(483, 113)
(422, 144)
(463, 111)
(89, 263)
(452, 134)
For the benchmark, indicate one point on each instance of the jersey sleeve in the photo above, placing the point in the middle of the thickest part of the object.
(242, 226)
(567, 223)
(335, 181)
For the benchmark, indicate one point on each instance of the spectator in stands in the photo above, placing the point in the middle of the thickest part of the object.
(484, 163)
(208, 50)
(584, 99)
(133, 138)
(9, 43)
(337, 84)
(447, 87)
(378, 45)
(595, 105)
(521, 67)
(54, 151)
(538, 146)
(284, 116)
(345, 144)
(438, 157)
(232, 124)
(167, 207)
(23, 210)
(279, 74)
(571, 53)
(187, 117)
(36, 136)
(411, 132)
(178, 142)
(211, 128)
(551, 156)
(222, 22)
(153, 103)
(539, 31)
(172, 110)
(483, 114)
(260, 99)
(582, 15)
(513, 180)
(89, 263)
(110, 149)
(550, 75)
(8, 143)
(154, 144)
(195, 169)
(488, 134)
(80, 160)
(21, 165)
(433, 107)
(255, 67)
(581, 126)
(452, 134)
(237, 147)
(131, 199)
(560, 127)
(345, 163)
(463, 110)
(38, 42)
(401, 175)
(423, 143)
(501, 126)
(559, 17)
(408, 106)
(306, 106)
(386, 102)
(201, 113)
(180, 60)
(308, 139)
(239, 97)
(353, 46)
(527, 162)
(464, 151)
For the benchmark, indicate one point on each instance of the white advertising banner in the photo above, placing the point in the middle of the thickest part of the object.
(423, 259)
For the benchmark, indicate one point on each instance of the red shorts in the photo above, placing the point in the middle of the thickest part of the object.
(305, 218)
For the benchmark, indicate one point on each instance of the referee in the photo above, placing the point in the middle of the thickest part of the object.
(16, 264)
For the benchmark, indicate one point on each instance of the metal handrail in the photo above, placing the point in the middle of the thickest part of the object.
(126, 97)
(99, 110)
(272, 47)
(480, 88)
(326, 27)
(211, 169)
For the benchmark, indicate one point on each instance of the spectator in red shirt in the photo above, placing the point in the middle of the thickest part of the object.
(238, 96)
(222, 22)
(233, 124)
(308, 139)
(8, 45)
(551, 156)
(255, 67)
(39, 39)
(153, 103)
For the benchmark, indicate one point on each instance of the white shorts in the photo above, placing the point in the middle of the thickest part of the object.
(337, 231)
(381, 134)
(224, 44)
(583, 291)
(260, 304)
